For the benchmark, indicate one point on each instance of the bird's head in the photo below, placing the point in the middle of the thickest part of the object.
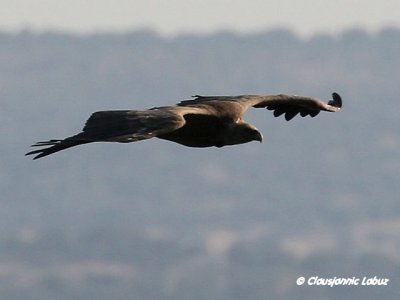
(240, 133)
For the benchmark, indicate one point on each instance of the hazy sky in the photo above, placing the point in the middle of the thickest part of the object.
(175, 16)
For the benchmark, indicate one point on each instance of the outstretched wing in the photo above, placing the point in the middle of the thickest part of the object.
(129, 125)
(122, 126)
(288, 105)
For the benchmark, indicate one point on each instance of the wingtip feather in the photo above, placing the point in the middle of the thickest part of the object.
(336, 100)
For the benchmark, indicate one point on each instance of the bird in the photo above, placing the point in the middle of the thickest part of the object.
(203, 121)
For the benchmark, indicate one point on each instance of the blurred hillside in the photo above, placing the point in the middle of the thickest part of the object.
(155, 220)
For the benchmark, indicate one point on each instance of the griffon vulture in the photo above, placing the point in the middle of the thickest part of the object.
(200, 122)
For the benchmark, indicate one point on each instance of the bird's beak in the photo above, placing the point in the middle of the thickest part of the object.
(258, 137)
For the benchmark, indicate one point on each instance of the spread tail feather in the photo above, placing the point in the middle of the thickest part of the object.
(56, 145)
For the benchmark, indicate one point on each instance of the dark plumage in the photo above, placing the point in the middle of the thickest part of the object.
(200, 122)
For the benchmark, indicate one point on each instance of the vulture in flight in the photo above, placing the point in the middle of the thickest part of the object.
(204, 121)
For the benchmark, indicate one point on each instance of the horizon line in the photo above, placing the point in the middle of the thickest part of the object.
(152, 30)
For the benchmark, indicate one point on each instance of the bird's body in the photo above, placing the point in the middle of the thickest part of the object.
(200, 122)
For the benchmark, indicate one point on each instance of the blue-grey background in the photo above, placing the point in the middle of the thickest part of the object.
(155, 220)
